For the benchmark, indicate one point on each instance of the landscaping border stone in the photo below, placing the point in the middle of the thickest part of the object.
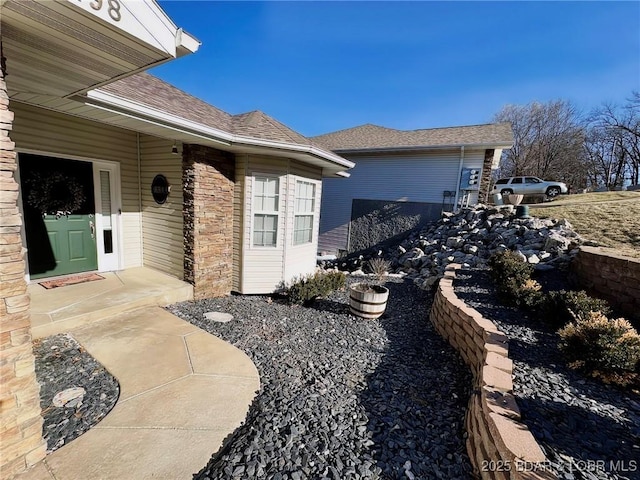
(614, 277)
(498, 444)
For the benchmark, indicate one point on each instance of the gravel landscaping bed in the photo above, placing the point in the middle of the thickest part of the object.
(61, 364)
(342, 398)
(588, 430)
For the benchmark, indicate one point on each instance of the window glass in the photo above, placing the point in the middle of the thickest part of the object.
(265, 195)
(517, 180)
(266, 211)
(304, 212)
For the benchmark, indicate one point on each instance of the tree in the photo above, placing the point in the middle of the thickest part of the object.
(613, 144)
(548, 142)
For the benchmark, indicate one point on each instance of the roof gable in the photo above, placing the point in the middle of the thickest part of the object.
(257, 124)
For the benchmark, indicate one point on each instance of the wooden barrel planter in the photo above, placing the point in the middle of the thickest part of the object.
(368, 301)
(512, 199)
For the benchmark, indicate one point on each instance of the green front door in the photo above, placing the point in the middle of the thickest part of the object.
(59, 211)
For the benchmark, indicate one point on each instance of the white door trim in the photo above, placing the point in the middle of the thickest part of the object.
(108, 261)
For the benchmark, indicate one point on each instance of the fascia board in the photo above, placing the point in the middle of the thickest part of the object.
(186, 43)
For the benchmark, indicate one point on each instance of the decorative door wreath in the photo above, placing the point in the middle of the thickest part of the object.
(55, 194)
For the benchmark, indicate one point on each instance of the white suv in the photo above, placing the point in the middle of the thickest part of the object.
(528, 186)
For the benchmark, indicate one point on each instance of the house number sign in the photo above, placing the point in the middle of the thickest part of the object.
(160, 189)
(112, 6)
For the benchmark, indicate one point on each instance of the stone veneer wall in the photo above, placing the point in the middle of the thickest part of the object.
(208, 177)
(610, 276)
(498, 444)
(485, 179)
(21, 443)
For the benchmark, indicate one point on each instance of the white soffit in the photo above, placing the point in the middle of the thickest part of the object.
(65, 47)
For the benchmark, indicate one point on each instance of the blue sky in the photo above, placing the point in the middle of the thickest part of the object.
(324, 66)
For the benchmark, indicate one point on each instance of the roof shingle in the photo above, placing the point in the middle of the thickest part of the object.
(372, 137)
(148, 90)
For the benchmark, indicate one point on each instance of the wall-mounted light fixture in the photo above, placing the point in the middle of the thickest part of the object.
(174, 149)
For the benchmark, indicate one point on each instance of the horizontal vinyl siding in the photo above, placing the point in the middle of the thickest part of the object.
(64, 135)
(408, 178)
(404, 178)
(335, 215)
(162, 225)
(238, 221)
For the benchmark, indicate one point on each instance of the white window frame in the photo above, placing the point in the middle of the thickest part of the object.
(306, 213)
(276, 213)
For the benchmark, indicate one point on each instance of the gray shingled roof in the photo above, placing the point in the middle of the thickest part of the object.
(257, 124)
(148, 90)
(372, 137)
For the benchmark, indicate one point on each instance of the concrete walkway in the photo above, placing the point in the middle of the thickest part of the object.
(182, 392)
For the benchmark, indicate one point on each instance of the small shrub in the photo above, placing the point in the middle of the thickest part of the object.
(561, 307)
(510, 273)
(596, 343)
(305, 290)
(530, 295)
(379, 267)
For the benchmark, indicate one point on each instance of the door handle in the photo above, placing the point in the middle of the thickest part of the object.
(92, 228)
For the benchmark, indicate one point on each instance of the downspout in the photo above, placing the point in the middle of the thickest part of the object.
(140, 197)
(455, 202)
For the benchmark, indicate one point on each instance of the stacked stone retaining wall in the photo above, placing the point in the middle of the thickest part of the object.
(610, 276)
(499, 445)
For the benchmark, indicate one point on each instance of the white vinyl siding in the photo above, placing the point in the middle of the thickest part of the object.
(239, 222)
(45, 131)
(394, 177)
(259, 269)
(162, 225)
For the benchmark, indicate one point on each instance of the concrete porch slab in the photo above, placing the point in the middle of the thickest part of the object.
(60, 309)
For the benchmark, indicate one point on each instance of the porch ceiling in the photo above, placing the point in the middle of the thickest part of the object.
(65, 47)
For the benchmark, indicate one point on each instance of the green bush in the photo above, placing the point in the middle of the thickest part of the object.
(529, 295)
(560, 306)
(597, 343)
(510, 273)
(305, 290)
